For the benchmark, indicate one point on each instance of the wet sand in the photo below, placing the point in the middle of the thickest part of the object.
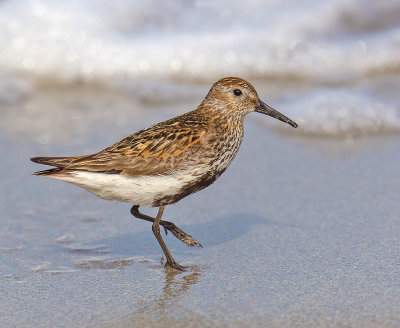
(297, 232)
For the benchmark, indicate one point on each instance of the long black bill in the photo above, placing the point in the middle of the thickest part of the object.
(263, 108)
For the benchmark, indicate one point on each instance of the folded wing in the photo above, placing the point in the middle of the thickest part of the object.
(160, 149)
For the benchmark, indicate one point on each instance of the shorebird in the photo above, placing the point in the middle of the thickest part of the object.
(170, 160)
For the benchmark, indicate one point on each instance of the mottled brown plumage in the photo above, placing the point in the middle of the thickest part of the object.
(160, 165)
(159, 149)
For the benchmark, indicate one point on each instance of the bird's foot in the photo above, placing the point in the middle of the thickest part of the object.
(173, 265)
(180, 234)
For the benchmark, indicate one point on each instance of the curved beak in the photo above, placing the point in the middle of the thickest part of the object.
(263, 108)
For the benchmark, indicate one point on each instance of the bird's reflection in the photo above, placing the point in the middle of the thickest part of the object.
(176, 284)
(160, 309)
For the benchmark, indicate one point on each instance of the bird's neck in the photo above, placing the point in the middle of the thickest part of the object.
(220, 112)
(228, 127)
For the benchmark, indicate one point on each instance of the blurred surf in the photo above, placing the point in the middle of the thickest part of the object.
(117, 43)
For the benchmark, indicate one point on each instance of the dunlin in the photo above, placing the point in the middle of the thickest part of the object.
(168, 161)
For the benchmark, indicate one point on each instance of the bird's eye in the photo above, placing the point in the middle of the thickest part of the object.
(237, 92)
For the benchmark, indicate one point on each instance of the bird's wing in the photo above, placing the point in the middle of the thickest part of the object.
(156, 150)
(55, 160)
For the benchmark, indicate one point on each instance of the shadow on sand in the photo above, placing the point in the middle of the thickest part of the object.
(211, 233)
(125, 249)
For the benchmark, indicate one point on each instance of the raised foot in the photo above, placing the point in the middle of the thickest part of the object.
(180, 234)
(174, 265)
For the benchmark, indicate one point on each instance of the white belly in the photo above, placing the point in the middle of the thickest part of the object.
(141, 190)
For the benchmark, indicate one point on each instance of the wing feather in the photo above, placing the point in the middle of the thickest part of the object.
(146, 154)
(159, 149)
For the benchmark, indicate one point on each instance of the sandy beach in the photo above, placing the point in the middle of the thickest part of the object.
(298, 232)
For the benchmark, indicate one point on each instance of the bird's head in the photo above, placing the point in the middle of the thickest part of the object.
(237, 95)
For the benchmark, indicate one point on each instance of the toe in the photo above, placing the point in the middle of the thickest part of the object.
(174, 265)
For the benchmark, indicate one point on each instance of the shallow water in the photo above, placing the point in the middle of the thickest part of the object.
(302, 230)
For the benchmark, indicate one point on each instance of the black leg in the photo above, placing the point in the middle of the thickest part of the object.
(156, 230)
(177, 232)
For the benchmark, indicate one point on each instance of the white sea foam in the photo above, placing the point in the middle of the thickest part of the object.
(96, 40)
(124, 43)
(334, 113)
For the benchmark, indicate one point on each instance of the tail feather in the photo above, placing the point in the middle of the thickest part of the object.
(55, 161)
(49, 171)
